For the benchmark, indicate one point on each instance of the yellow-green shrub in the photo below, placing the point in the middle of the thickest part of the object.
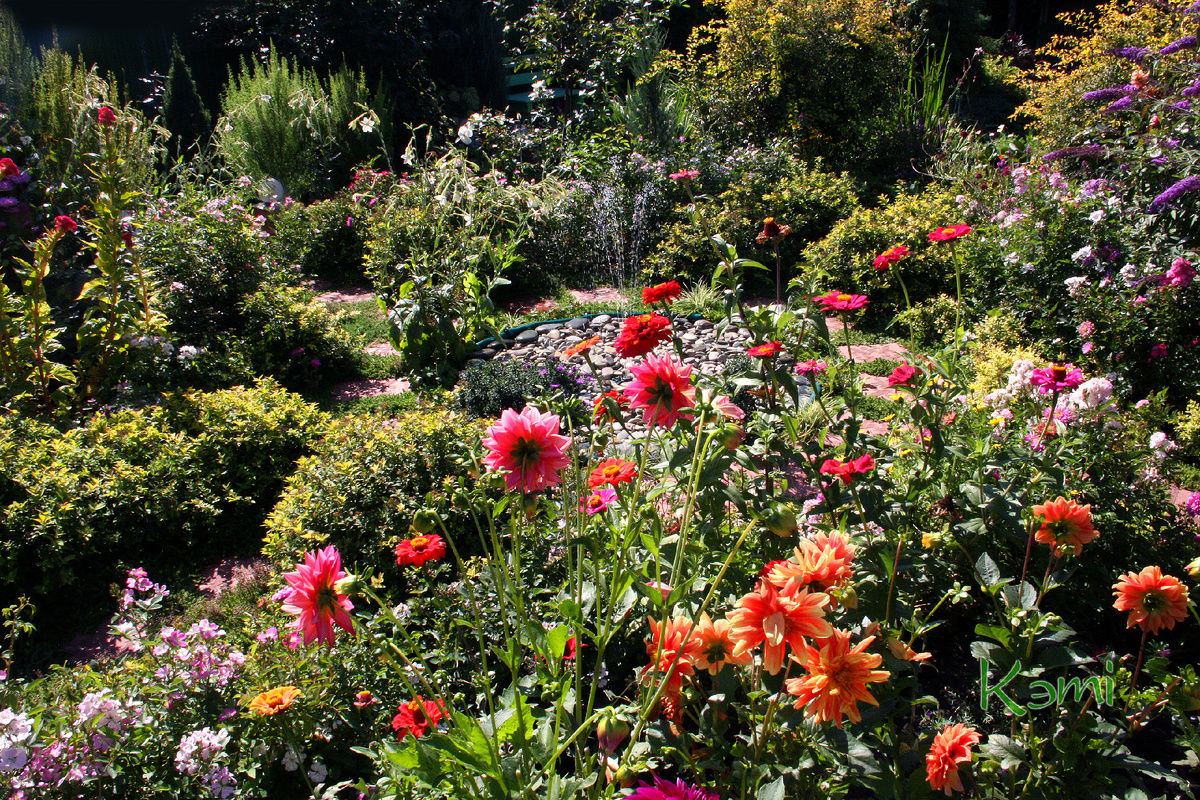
(362, 484)
(166, 487)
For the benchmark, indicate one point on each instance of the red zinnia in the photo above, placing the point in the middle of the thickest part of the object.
(1155, 601)
(661, 293)
(418, 716)
(685, 175)
(106, 117)
(614, 471)
(641, 334)
(419, 549)
(600, 406)
(950, 748)
(64, 224)
(846, 471)
(841, 302)
(8, 167)
(949, 233)
(768, 350)
(901, 375)
(772, 231)
(890, 256)
(662, 387)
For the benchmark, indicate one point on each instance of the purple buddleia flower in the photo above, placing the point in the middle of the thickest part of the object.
(1076, 151)
(1119, 105)
(1186, 43)
(1182, 105)
(1111, 93)
(1134, 54)
(1175, 191)
(1194, 8)
(1192, 90)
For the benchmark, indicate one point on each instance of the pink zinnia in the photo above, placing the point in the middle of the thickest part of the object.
(841, 302)
(685, 175)
(314, 598)
(901, 375)
(890, 256)
(1056, 378)
(598, 501)
(811, 368)
(528, 447)
(949, 233)
(661, 386)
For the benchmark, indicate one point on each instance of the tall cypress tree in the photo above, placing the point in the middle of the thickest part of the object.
(184, 113)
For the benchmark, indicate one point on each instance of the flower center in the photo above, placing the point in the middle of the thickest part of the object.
(1059, 372)
(1154, 602)
(843, 298)
(419, 543)
(526, 453)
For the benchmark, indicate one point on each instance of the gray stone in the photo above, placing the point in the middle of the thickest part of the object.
(578, 324)
(554, 334)
(600, 321)
(549, 326)
(527, 337)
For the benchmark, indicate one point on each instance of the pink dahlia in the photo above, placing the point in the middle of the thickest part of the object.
(528, 447)
(666, 790)
(316, 600)
(662, 387)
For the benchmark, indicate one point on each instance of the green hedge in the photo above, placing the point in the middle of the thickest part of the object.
(362, 484)
(168, 487)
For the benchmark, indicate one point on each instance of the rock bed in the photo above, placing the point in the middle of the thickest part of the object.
(704, 349)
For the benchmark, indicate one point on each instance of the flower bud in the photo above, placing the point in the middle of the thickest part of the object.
(611, 731)
(1193, 569)
(529, 505)
(425, 520)
(780, 520)
(350, 585)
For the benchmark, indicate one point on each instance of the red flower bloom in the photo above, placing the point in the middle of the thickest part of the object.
(64, 224)
(890, 256)
(8, 167)
(106, 117)
(950, 748)
(841, 302)
(949, 233)
(600, 406)
(661, 293)
(901, 375)
(418, 716)
(772, 231)
(641, 334)
(612, 472)
(419, 549)
(768, 350)
(846, 471)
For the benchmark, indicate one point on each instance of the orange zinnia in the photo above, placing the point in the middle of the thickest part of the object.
(1065, 525)
(1155, 601)
(777, 620)
(950, 748)
(837, 679)
(716, 646)
(582, 347)
(612, 471)
(272, 701)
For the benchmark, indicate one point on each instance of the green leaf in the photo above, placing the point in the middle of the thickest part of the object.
(772, 790)
(988, 571)
(1009, 753)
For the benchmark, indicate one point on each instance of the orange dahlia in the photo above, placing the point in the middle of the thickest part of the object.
(272, 701)
(1065, 525)
(777, 620)
(950, 748)
(716, 646)
(837, 678)
(612, 471)
(1155, 601)
(825, 560)
(675, 650)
